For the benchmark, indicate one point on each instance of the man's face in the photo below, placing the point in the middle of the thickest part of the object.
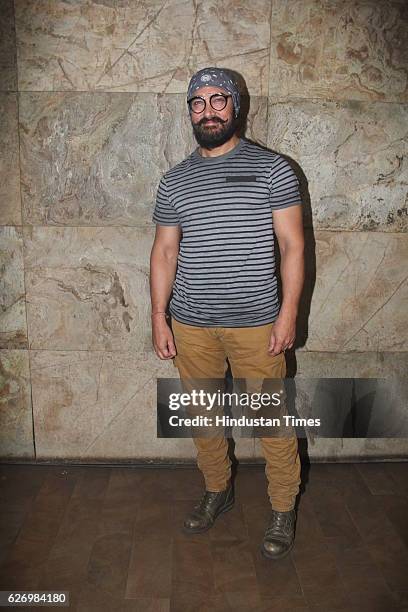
(212, 127)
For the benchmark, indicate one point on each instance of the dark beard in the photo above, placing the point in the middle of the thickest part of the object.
(211, 137)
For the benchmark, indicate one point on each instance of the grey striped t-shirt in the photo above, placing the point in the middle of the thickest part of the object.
(226, 264)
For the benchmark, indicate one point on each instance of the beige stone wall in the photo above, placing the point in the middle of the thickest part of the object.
(92, 112)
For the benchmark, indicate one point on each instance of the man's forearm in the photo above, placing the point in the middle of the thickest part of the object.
(292, 274)
(162, 275)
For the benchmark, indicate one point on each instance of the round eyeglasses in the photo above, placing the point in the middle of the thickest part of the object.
(218, 102)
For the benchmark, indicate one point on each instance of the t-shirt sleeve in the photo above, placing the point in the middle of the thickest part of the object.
(285, 188)
(164, 212)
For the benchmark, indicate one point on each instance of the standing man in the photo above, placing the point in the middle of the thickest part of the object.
(216, 214)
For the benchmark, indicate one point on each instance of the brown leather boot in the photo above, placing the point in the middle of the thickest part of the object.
(208, 508)
(279, 535)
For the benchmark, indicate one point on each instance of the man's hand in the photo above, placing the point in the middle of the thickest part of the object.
(283, 334)
(163, 340)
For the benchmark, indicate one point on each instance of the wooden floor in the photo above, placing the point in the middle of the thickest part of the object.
(112, 537)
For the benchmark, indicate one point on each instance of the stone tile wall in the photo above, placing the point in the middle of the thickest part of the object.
(92, 112)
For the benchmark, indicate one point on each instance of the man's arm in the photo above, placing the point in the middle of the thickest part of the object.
(288, 225)
(163, 266)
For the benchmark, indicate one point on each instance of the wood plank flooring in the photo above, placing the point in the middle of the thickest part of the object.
(112, 537)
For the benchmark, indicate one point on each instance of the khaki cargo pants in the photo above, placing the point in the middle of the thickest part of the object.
(202, 353)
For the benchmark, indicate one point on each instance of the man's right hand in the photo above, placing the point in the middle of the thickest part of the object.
(163, 340)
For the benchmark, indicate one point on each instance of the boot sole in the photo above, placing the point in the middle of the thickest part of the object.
(203, 529)
(280, 556)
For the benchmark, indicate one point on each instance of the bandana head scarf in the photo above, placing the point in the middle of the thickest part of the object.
(215, 77)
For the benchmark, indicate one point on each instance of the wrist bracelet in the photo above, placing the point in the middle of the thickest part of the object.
(160, 313)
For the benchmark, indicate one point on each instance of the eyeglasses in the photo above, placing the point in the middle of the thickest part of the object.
(218, 102)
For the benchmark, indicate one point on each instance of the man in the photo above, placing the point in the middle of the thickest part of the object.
(216, 212)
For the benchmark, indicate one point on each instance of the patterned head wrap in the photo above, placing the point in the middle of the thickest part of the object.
(215, 77)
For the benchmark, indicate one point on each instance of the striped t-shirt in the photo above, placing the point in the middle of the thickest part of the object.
(226, 265)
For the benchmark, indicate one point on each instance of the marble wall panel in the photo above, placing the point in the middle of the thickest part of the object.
(96, 159)
(8, 64)
(16, 422)
(351, 160)
(339, 49)
(148, 46)
(350, 449)
(102, 115)
(256, 125)
(10, 202)
(88, 288)
(13, 325)
(371, 364)
(93, 405)
(359, 300)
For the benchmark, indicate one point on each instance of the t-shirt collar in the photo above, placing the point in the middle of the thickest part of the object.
(196, 155)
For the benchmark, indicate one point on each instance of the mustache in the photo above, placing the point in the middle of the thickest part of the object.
(214, 120)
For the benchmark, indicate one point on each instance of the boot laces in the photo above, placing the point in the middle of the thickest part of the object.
(206, 500)
(279, 524)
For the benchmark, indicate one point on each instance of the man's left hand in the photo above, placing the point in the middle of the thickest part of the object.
(283, 335)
